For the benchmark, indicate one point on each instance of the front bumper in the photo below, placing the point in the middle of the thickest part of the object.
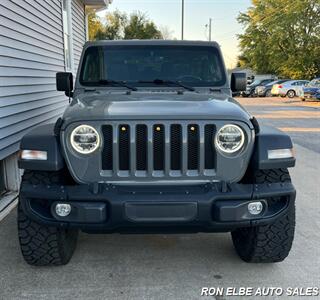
(261, 92)
(311, 96)
(245, 93)
(282, 92)
(144, 209)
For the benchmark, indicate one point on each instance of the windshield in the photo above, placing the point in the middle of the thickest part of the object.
(196, 66)
(314, 83)
(273, 82)
(265, 82)
(256, 82)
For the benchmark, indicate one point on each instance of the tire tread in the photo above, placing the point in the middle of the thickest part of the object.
(44, 245)
(272, 242)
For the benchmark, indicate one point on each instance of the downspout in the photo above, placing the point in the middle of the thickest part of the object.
(70, 27)
(86, 18)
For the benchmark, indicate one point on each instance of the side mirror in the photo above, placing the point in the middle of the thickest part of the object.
(238, 82)
(64, 82)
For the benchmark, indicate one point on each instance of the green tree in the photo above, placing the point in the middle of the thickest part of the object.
(115, 25)
(281, 37)
(96, 28)
(140, 27)
(118, 25)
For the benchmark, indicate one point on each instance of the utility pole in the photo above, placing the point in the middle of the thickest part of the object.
(210, 29)
(182, 25)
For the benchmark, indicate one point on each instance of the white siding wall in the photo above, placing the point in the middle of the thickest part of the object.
(31, 52)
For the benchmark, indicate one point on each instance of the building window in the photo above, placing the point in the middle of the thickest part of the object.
(67, 34)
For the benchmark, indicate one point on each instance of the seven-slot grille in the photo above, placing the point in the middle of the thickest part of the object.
(158, 150)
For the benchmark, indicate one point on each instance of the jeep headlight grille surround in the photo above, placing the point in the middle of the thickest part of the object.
(85, 139)
(230, 139)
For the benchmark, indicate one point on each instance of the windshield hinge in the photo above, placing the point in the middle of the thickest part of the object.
(89, 89)
(224, 187)
(215, 90)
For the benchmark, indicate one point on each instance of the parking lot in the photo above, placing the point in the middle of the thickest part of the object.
(178, 266)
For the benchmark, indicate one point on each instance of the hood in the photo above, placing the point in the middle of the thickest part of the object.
(154, 106)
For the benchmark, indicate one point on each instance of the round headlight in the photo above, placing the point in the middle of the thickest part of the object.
(230, 138)
(85, 139)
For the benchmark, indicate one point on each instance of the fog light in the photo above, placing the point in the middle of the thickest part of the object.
(63, 210)
(255, 208)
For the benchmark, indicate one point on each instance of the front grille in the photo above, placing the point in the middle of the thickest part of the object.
(142, 146)
(210, 158)
(158, 149)
(124, 147)
(107, 153)
(193, 147)
(176, 147)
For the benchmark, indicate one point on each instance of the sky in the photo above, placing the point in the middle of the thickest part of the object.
(197, 13)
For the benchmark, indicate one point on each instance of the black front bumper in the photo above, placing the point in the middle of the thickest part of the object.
(312, 96)
(203, 208)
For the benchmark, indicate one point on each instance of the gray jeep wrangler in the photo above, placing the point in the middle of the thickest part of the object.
(153, 142)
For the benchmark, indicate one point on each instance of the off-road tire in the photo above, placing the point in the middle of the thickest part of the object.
(44, 245)
(267, 243)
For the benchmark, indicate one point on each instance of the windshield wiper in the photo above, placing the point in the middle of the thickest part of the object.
(117, 82)
(161, 81)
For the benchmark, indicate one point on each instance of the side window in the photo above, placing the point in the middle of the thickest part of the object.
(66, 14)
(91, 69)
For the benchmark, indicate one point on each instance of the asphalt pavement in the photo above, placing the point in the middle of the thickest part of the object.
(301, 120)
(178, 266)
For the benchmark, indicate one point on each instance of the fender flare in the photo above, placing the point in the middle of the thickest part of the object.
(270, 138)
(42, 138)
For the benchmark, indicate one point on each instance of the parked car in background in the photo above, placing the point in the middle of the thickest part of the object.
(311, 90)
(250, 91)
(290, 88)
(265, 90)
(275, 89)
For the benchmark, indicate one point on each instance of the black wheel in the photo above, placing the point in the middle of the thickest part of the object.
(291, 94)
(267, 243)
(43, 245)
(268, 93)
(252, 93)
(303, 99)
